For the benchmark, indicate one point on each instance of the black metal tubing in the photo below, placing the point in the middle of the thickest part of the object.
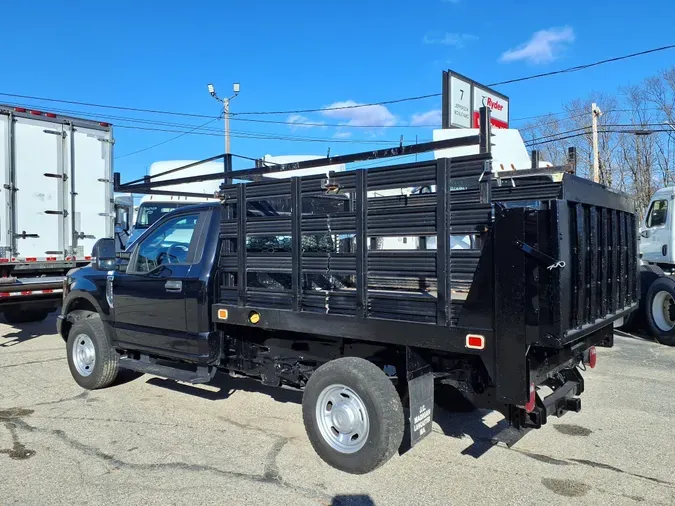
(361, 229)
(296, 242)
(308, 164)
(242, 270)
(594, 253)
(177, 169)
(443, 220)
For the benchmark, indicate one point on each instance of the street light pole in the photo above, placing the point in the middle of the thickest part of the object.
(595, 111)
(226, 111)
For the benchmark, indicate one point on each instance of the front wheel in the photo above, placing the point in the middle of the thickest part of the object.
(660, 309)
(92, 361)
(353, 415)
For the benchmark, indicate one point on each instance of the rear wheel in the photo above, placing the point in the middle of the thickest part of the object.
(638, 318)
(353, 415)
(660, 305)
(20, 315)
(92, 361)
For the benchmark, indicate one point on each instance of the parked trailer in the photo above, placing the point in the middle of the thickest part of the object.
(369, 334)
(56, 201)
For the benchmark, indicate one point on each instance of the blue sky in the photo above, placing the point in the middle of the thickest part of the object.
(308, 54)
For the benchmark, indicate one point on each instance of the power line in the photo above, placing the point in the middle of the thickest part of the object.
(262, 135)
(166, 141)
(106, 106)
(342, 107)
(510, 81)
(636, 131)
(352, 106)
(584, 67)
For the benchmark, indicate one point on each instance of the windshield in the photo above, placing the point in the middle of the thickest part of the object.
(149, 213)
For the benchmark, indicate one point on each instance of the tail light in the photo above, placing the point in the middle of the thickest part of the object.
(591, 358)
(532, 400)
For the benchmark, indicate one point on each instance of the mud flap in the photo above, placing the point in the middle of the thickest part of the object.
(420, 395)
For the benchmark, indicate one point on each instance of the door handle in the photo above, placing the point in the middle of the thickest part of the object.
(173, 286)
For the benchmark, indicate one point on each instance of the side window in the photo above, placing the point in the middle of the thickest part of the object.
(169, 244)
(658, 214)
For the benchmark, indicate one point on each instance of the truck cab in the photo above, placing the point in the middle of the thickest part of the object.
(657, 240)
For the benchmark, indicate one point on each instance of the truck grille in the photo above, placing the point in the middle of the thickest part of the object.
(603, 258)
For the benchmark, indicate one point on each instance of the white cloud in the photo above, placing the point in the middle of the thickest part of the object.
(369, 115)
(429, 118)
(342, 134)
(298, 121)
(544, 46)
(449, 39)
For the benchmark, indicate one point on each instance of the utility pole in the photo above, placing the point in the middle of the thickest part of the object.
(596, 112)
(226, 111)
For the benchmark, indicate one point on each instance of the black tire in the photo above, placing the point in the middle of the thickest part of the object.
(106, 362)
(383, 406)
(657, 325)
(638, 319)
(17, 315)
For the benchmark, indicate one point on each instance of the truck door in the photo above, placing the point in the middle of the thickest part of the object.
(92, 215)
(655, 233)
(149, 298)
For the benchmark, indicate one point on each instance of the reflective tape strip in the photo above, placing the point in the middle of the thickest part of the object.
(30, 292)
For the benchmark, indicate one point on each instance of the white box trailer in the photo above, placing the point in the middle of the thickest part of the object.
(56, 200)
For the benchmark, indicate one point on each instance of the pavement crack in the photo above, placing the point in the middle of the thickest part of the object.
(18, 450)
(270, 475)
(271, 469)
(584, 462)
(600, 465)
(81, 395)
(22, 364)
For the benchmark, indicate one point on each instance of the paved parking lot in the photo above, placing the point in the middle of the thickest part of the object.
(151, 441)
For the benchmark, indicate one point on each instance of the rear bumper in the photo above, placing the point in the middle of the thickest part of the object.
(563, 399)
(43, 290)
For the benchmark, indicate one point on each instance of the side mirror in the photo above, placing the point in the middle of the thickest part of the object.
(645, 234)
(103, 254)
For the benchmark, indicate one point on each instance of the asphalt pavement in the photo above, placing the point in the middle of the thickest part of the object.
(151, 441)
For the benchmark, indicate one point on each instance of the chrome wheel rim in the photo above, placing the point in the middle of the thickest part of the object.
(663, 311)
(342, 418)
(84, 355)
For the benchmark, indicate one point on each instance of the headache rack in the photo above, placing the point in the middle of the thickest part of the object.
(424, 254)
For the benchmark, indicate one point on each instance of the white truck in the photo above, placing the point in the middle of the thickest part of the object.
(657, 255)
(153, 207)
(56, 201)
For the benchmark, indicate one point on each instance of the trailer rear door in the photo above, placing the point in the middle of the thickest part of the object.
(93, 212)
(5, 190)
(39, 210)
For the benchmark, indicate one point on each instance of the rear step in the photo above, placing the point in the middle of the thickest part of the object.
(148, 365)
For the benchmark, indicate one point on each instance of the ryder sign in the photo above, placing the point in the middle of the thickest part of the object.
(463, 98)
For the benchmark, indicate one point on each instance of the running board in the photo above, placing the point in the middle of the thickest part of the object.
(146, 365)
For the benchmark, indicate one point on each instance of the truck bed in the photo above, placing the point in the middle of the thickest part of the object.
(312, 252)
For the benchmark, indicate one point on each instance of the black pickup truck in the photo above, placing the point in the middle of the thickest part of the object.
(284, 281)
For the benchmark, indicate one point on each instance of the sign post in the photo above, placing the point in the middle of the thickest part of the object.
(463, 98)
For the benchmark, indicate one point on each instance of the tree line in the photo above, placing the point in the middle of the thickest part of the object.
(636, 136)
